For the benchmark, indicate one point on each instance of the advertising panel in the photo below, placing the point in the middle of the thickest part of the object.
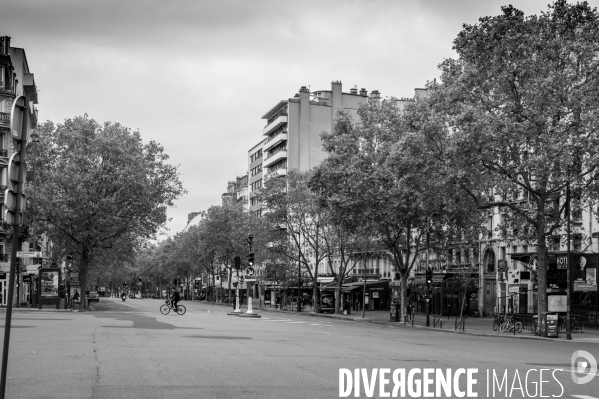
(49, 284)
(584, 273)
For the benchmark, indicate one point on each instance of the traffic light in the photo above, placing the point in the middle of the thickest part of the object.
(69, 261)
(237, 261)
(251, 259)
(125, 284)
(429, 276)
(175, 282)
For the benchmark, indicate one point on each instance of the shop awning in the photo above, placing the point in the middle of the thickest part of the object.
(369, 284)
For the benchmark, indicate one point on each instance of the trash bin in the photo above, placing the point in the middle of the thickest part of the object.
(551, 320)
(395, 312)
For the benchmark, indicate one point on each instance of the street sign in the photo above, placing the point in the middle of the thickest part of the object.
(249, 271)
(514, 288)
(23, 254)
(14, 169)
(13, 218)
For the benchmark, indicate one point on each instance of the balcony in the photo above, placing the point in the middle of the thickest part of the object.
(271, 159)
(5, 117)
(276, 139)
(275, 124)
(276, 173)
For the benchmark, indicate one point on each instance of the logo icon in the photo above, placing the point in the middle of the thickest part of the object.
(583, 362)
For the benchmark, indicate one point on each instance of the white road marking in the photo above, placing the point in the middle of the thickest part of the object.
(295, 322)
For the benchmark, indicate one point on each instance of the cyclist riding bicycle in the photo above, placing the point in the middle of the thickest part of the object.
(175, 298)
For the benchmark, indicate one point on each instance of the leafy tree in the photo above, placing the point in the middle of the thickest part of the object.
(101, 183)
(292, 209)
(520, 103)
(378, 176)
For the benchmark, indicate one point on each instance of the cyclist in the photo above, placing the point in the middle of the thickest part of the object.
(175, 298)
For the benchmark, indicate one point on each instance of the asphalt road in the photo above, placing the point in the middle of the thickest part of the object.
(130, 350)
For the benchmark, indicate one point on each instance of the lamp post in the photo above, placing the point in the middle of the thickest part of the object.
(569, 270)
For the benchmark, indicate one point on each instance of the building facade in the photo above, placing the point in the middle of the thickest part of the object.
(16, 79)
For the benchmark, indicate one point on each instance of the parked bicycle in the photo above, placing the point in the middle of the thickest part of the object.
(166, 308)
(498, 320)
(575, 325)
(510, 324)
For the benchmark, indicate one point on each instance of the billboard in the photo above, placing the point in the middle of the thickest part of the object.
(49, 283)
(584, 272)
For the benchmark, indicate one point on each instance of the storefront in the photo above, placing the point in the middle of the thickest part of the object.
(375, 295)
(450, 295)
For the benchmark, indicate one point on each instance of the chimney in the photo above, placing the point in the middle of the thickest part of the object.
(303, 89)
(353, 90)
(420, 93)
(375, 95)
(4, 45)
(363, 92)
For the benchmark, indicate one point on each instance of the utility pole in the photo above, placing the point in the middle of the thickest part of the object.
(569, 270)
(15, 202)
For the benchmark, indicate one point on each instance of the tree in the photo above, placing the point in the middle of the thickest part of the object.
(520, 104)
(379, 175)
(101, 183)
(292, 209)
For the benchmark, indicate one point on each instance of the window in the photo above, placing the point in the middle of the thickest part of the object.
(255, 156)
(2, 75)
(256, 185)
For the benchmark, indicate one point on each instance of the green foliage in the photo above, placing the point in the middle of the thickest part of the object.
(520, 104)
(100, 184)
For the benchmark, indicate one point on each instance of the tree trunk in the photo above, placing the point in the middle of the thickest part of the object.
(403, 295)
(338, 290)
(542, 271)
(83, 276)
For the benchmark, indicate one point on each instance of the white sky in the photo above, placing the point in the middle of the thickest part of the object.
(197, 75)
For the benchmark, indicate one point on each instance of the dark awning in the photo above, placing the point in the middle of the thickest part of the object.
(523, 257)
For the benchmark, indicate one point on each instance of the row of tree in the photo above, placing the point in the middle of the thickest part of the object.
(511, 123)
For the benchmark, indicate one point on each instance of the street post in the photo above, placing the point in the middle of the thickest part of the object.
(14, 201)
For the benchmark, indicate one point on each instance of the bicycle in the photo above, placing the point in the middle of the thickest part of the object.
(509, 325)
(575, 325)
(166, 308)
(498, 320)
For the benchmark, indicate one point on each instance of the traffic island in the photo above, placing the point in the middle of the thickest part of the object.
(254, 315)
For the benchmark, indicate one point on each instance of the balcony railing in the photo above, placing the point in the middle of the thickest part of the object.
(282, 112)
(4, 117)
(275, 152)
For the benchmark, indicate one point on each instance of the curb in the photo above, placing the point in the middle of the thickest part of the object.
(400, 325)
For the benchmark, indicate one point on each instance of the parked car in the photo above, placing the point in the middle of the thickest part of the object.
(93, 296)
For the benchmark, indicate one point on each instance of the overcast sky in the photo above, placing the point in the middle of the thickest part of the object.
(197, 75)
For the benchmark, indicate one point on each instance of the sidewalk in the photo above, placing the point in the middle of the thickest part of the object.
(482, 326)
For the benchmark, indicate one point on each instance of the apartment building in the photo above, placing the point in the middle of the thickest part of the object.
(255, 158)
(16, 79)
